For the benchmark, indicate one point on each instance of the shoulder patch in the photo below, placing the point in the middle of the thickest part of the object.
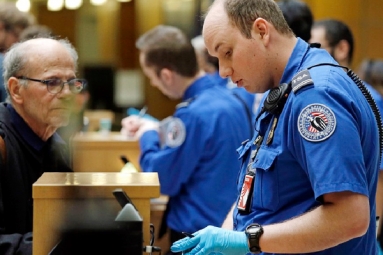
(172, 132)
(316, 122)
(301, 79)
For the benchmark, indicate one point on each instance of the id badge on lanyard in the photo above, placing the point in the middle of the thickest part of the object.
(246, 192)
(245, 198)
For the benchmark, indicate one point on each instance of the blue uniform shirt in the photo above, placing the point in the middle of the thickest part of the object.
(303, 163)
(199, 174)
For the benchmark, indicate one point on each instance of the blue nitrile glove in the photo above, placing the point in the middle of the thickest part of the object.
(213, 240)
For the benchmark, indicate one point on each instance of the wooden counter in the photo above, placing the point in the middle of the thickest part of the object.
(53, 192)
(97, 152)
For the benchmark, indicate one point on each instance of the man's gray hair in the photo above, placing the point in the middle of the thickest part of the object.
(15, 59)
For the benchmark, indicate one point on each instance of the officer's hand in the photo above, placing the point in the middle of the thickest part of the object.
(213, 240)
(135, 126)
(130, 125)
(146, 125)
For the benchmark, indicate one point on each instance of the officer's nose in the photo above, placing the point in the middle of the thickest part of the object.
(225, 71)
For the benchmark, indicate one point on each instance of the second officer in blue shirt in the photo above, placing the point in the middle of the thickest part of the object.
(193, 151)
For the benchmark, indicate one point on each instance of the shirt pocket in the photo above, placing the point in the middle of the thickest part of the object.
(266, 186)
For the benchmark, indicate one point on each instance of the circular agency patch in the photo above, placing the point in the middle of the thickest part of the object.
(175, 133)
(316, 122)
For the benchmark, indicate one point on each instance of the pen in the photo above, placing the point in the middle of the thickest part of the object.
(187, 234)
(142, 111)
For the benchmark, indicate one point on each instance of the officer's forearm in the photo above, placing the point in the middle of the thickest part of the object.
(344, 217)
(228, 222)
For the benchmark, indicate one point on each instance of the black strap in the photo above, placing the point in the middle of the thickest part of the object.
(368, 97)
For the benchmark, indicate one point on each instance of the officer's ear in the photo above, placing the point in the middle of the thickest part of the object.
(166, 75)
(341, 51)
(260, 30)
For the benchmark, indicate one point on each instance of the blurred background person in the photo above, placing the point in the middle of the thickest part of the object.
(371, 71)
(41, 82)
(298, 16)
(193, 151)
(205, 62)
(336, 37)
(12, 23)
(36, 31)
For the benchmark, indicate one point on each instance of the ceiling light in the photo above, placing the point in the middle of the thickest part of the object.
(23, 5)
(73, 4)
(55, 5)
(98, 2)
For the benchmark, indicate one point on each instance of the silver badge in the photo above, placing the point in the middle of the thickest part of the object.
(316, 122)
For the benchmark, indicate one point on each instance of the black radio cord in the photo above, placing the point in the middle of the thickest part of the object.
(369, 98)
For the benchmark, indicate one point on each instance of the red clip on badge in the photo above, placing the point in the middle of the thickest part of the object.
(245, 197)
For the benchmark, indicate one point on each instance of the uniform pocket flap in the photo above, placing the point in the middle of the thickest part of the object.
(265, 158)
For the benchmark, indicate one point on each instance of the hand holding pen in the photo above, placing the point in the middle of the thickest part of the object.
(136, 125)
(143, 111)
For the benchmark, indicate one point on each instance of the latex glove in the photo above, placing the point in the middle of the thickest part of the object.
(135, 126)
(213, 240)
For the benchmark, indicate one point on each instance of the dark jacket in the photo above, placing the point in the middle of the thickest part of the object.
(27, 158)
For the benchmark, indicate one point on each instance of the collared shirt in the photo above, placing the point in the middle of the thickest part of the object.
(27, 133)
(199, 172)
(303, 163)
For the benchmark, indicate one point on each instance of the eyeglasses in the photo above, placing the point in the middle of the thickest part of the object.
(55, 86)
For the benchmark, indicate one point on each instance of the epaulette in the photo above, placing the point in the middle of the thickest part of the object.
(185, 103)
(300, 80)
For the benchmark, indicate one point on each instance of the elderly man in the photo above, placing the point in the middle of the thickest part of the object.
(309, 174)
(40, 78)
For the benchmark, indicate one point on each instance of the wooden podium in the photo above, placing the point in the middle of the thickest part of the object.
(54, 192)
(97, 152)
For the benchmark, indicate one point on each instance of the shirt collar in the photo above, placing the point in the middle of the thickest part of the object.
(27, 133)
(199, 85)
(295, 62)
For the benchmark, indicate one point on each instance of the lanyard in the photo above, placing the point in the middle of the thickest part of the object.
(244, 202)
(245, 198)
